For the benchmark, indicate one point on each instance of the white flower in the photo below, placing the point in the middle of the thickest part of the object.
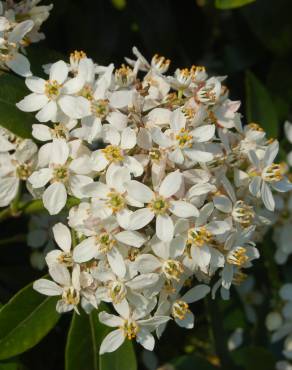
(159, 205)
(131, 326)
(265, 174)
(65, 285)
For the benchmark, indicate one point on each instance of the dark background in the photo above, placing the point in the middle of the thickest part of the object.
(257, 38)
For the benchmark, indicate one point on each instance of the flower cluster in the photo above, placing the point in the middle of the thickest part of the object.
(20, 24)
(172, 189)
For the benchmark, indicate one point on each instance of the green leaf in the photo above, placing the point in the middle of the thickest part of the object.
(259, 105)
(83, 342)
(12, 91)
(25, 320)
(231, 4)
(254, 358)
(11, 365)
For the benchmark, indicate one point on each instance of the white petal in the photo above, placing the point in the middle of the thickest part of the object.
(143, 281)
(146, 263)
(128, 138)
(139, 191)
(223, 203)
(183, 209)
(47, 287)
(199, 155)
(171, 184)
(32, 102)
(131, 238)
(110, 320)
(255, 186)
(59, 151)
(48, 112)
(20, 30)
(177, 120)
(59, 71)
(121, 99)
(19, 65)
(267, 197)
(140, 218)
(8, 190)
(116, 262)
(177, 247)
(41, 132)
(85, 251)
(62, 236)
(196, 293)
(35, 84)
(187, 322)
(40, 178)
(271, 153)
(75, 107)
(203, 133)
(146, 339)
(60, 274)
(55, 197)
(112, 341)
(164, 228)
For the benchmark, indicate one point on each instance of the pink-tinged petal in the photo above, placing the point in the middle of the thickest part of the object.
(32, 102)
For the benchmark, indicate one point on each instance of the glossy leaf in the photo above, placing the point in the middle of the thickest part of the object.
(231, 4)
(25, 320)
(83, 343)
(13, 90)
(259, 105)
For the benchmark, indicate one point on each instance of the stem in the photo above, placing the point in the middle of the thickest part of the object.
(218, 334)
(32, 207)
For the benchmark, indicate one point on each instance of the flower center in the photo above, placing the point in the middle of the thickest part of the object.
(100, 108)
(59, 131)
(86, 92)
(130, 329)
(238, 256)
(66, 259)
(159, 205)
(105, 242)
(76, 56)
(199, 236)
(52, 89)
(184, 138)
(113, 153)
(155, 155)
(172, 269)
(124, 76)
(115, 201)
(23, 171)
(243, 213)
(71, 296)
(117, 291)
(180, 309)
(273, 173)
(60, 173)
